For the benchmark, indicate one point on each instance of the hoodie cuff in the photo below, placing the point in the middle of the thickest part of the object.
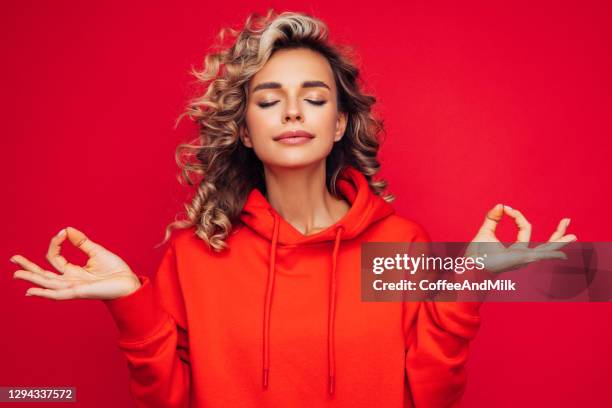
(137, 315)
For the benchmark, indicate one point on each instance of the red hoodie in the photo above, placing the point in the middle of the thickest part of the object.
(277, 320)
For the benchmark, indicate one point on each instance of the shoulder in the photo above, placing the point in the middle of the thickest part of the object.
(407, 229)
(186, 240)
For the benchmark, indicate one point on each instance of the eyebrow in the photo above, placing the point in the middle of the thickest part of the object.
(276, 85)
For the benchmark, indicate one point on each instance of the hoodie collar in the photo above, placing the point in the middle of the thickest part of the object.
(260, 216)
(366, 208)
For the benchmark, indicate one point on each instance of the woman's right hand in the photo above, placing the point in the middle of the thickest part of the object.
(105, 276)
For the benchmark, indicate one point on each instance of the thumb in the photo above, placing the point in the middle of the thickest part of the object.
(494, 215)
(80, 240)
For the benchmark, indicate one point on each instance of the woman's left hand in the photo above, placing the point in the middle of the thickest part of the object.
(501, 259)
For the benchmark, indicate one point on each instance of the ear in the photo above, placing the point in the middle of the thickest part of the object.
(244, 137)
(340, 125)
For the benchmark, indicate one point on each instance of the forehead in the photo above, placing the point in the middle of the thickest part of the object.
(291, 67)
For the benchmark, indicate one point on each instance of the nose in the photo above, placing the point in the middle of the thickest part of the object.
(293, 113)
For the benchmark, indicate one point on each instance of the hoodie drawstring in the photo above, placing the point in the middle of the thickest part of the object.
(269, 289)
(331, 354)
(331, 349)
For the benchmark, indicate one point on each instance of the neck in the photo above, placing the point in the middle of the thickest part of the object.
(301, 197)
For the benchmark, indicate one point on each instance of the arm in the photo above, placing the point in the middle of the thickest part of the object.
(437, 350)
(438, 333)
(437, 340)
(153, 337)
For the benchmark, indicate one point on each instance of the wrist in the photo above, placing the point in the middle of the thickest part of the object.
(133, 285)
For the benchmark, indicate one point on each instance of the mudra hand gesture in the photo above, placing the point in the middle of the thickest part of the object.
(105, 276)
(501, 259)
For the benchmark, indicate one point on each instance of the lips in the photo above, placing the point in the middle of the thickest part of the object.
(298, 134)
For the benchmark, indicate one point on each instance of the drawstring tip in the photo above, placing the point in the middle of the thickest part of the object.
(265, 378)
(331, 385)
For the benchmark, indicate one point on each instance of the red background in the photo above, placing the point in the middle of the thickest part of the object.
(483, 103)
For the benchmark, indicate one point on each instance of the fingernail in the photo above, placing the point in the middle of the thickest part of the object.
(508, 207)
(62, 232)
(13, 260)
(567, 222)
(27, 294)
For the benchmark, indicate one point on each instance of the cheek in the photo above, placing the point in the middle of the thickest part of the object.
(323, 120)
(260, 122)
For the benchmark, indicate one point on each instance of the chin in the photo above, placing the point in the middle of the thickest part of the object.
(294, 162)
(293, 157)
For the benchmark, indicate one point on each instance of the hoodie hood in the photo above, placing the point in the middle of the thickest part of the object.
(263, 219)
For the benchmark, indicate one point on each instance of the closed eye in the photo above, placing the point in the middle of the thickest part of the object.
(318, 103)
(268, 104)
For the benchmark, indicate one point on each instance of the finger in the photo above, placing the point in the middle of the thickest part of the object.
(81, 241)
(53, 253)
(27, 264)
(540, 255)
(524, 234)
(40, 280)
(558, 244)
(560, 231)
(494, 215)
(56, 294)
(519, 245)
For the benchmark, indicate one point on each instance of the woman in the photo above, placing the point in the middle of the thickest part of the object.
(257, 299)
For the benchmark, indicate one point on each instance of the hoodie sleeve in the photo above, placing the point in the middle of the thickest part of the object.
(153, 337)
(437, 339)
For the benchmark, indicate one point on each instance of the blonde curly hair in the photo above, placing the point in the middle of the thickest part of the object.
(225, 170)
